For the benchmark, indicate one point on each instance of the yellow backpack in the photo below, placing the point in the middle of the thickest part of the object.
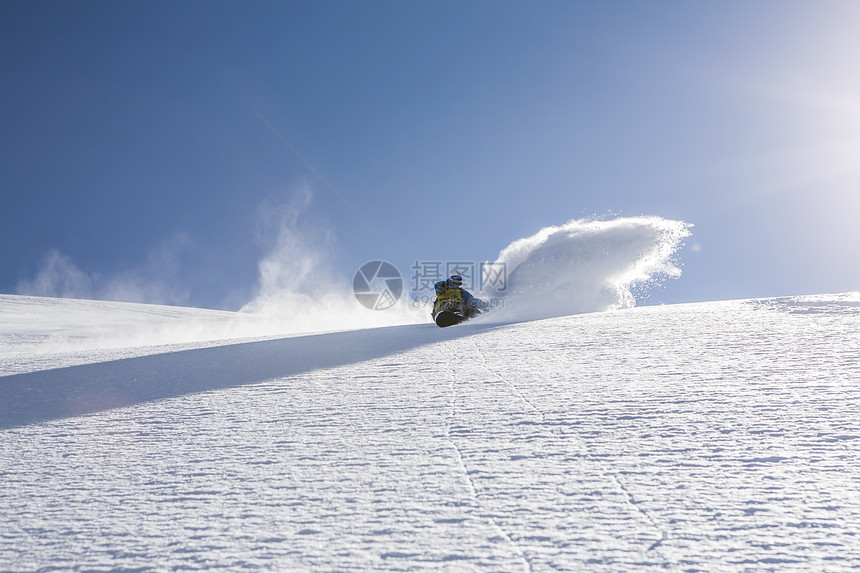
(452, 295)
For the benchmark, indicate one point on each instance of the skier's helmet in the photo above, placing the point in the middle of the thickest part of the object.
(456, 280)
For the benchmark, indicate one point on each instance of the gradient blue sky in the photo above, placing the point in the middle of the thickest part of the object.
(135, 137)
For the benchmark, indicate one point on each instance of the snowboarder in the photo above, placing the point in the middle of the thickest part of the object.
(454, 304)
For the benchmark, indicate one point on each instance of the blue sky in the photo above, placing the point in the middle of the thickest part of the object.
(138, 139)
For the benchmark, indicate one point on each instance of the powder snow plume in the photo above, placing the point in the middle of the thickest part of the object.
(300, 290)
(580, 266)
(587, 266)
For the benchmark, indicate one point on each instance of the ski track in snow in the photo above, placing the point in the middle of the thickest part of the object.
(717, 436)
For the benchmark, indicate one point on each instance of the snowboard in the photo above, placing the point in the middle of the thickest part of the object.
(447, 318)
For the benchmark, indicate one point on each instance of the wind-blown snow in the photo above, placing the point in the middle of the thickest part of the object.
(587, 265)
(299, 289)
(716, 436)
(581, 266)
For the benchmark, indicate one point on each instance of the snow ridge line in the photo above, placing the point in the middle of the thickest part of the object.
(631, 501)
(510, 384)
(526, 563)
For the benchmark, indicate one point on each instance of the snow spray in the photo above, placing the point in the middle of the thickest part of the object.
(587, 266)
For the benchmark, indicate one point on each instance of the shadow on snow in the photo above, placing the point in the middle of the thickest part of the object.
(77, 390)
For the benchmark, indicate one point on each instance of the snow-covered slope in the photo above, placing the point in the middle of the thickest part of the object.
(39, 333)
(714, 436)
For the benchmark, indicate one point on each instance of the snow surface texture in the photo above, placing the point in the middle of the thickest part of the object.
(38, 333)
(716, 436)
